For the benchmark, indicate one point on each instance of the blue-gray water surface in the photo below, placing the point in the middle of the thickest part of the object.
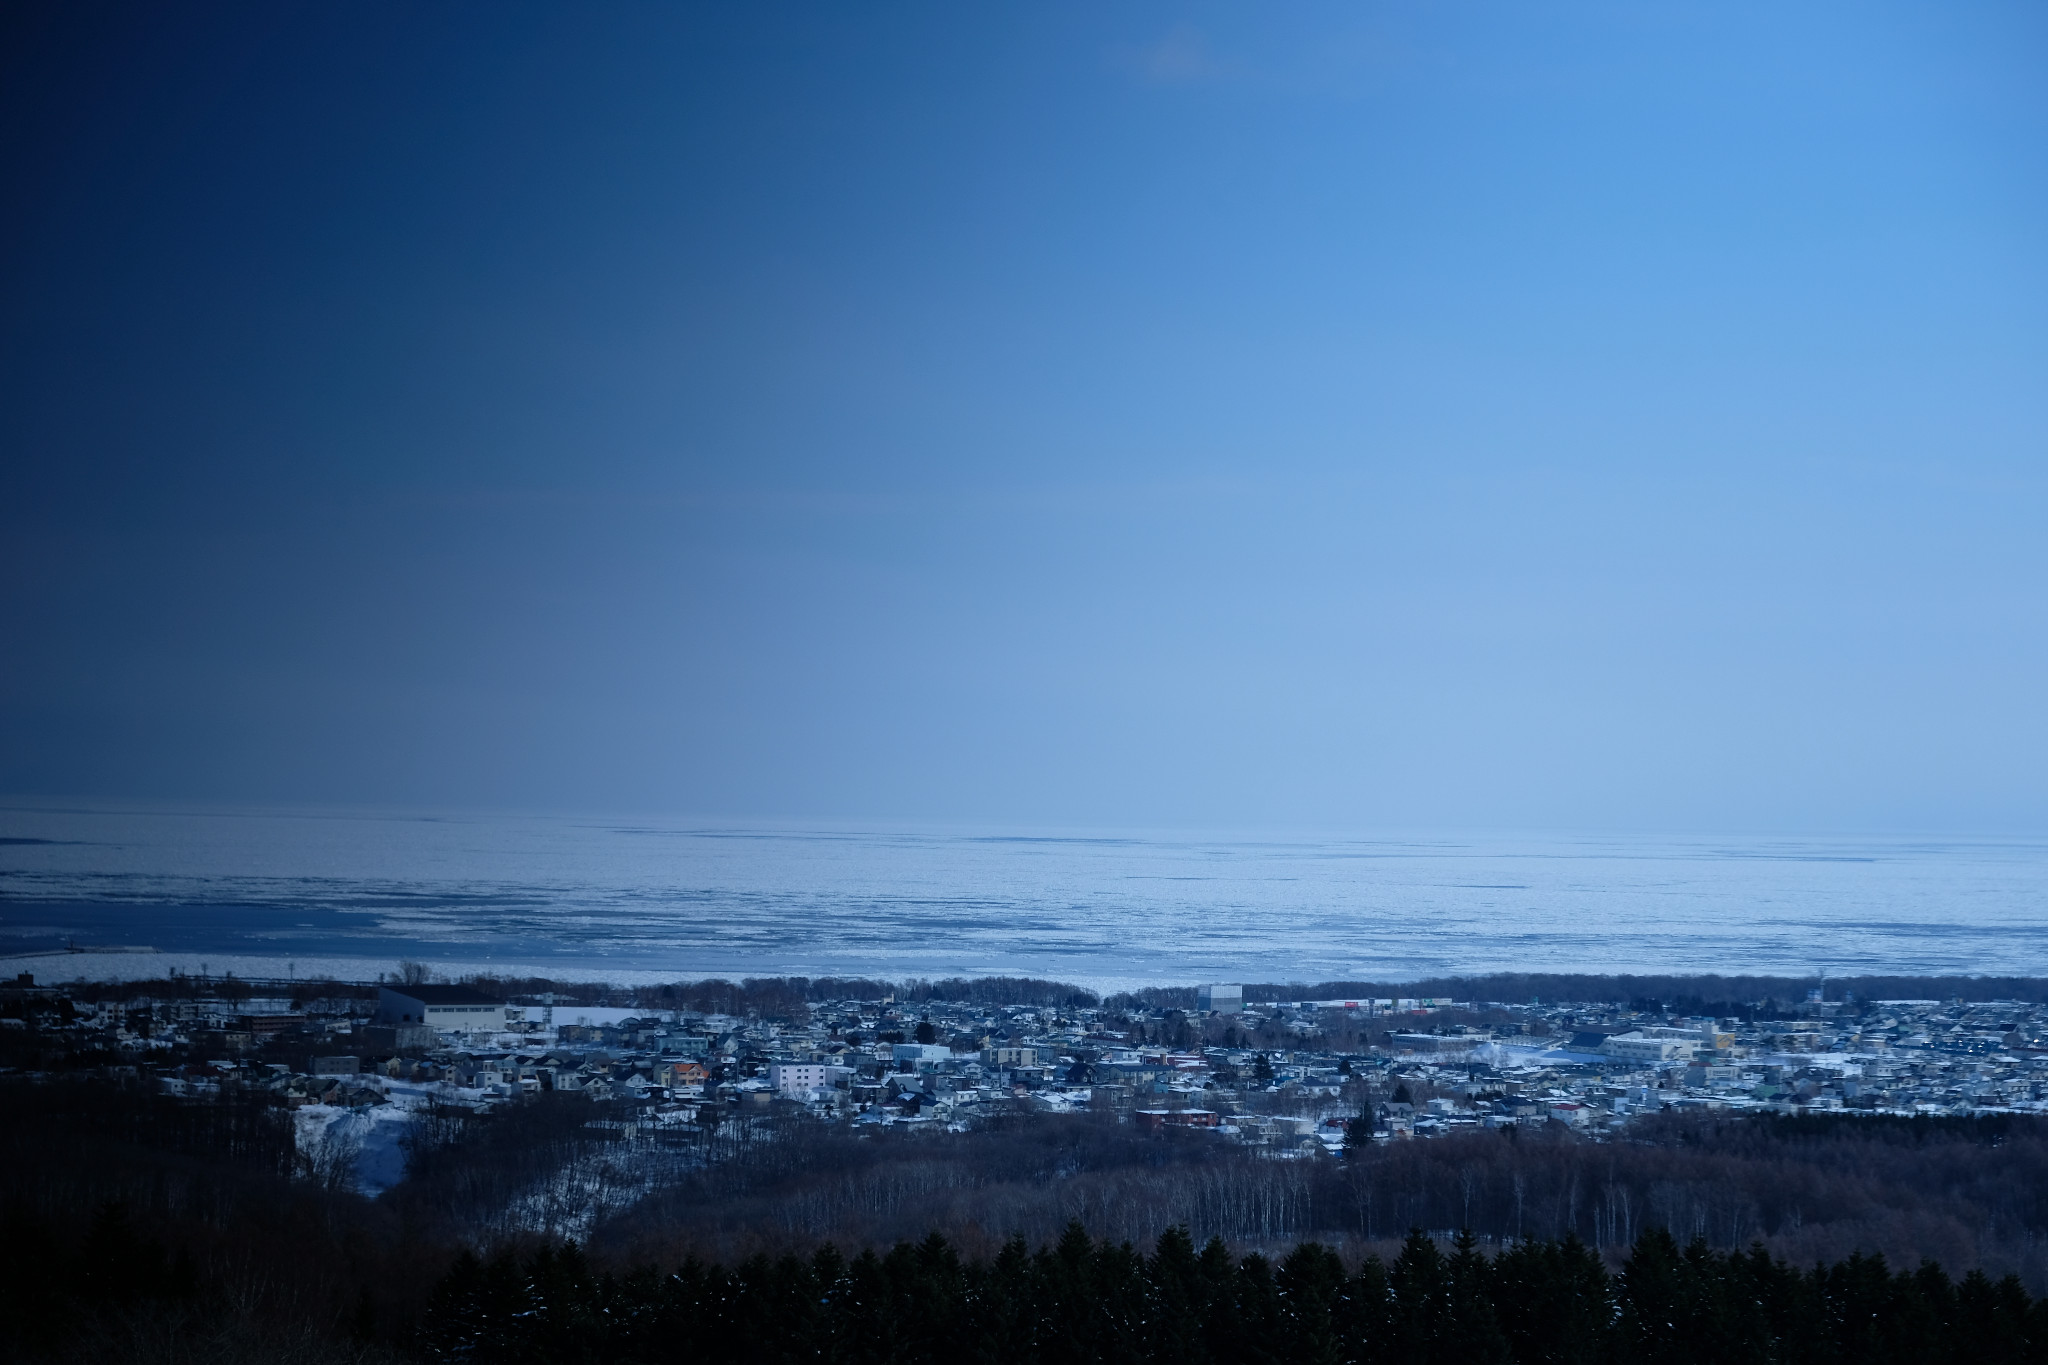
(349, 893)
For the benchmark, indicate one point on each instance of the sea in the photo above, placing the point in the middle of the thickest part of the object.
(113, 891)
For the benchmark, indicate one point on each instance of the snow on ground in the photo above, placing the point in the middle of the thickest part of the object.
(53, 965)
(591, 1014)
(370, 1140)
(365, 1147)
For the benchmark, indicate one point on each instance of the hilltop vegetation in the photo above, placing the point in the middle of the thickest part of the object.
(1080, 1299)
(137, 1227)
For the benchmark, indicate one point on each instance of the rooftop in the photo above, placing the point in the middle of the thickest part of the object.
(443, 995)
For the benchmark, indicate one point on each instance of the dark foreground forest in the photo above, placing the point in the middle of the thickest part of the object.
(1082, 1300)
(138, 1227)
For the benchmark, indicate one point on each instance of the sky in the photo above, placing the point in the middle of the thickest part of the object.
(1353, 416)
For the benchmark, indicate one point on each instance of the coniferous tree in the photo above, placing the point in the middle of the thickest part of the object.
(1099, 1303)
(1368, 1313)
(1311, 1287)
(1420, 1298)
(1007, 1327)
(1652, 1303)
(1914, 1327)
(1068, 1328)
(1222, 1321)
(1175, 1315)
(1118, 1278)
(1857, 1295)
(1474, 1336)
(1990, 1321)
(864, 1333)
(1258, 1313)
(1553, 1301)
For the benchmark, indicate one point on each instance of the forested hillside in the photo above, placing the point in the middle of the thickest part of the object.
(1086, 1300)
(137, 1227)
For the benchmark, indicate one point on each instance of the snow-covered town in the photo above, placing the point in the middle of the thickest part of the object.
(1294, 1079)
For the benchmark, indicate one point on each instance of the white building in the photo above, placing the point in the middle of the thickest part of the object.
(1643, 1047)
(1220, 1000)
(797, 1079)
(439, 1007)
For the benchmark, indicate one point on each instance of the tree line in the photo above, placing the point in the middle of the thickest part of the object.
(1084, 1301)
(790, 997)
(136, 1226)
(1969, 1192)
(1699, 993)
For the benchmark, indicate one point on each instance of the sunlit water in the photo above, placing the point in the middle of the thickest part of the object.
(264, 893)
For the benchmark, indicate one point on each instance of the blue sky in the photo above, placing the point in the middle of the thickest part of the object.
(1362, 416)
